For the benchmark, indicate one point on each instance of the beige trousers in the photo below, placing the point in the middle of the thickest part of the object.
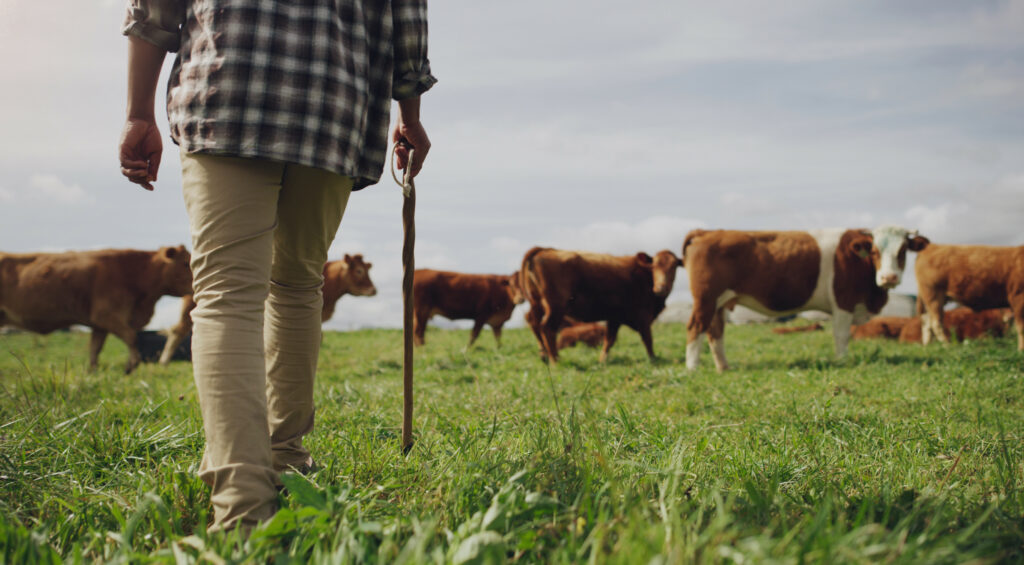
(260, 234)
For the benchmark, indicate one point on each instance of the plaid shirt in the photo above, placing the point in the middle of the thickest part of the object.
(302, 81)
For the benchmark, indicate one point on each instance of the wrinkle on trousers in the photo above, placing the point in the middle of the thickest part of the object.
(260, 234)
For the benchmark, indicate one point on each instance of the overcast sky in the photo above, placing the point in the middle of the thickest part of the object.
(598, 125)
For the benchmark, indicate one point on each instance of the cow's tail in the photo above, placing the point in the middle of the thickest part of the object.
(528, 277)
(694, 234)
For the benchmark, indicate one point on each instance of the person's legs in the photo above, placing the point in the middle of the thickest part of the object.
(310, 208)
(232, 207)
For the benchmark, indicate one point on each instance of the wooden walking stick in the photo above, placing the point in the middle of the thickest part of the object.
(408, 268)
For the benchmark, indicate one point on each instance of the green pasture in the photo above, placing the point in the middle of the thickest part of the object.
(898, 454)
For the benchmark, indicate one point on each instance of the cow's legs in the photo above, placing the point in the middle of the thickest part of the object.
(419, 327)
(550, 325)
(931, 319)
(841, 325)
(716, 335)
(1017, 307)
(533, 318)
(477, 326)
(648, 339)
(96, 341)
(497, 334)
(700, 323)
(609, 339)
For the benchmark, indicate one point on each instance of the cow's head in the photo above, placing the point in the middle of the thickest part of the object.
(663, 269)
(176, 273)
(887, 248)
(515, 290)
(358, 274)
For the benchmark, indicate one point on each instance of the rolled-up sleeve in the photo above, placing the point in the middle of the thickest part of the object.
(412, 68)
(156, 21)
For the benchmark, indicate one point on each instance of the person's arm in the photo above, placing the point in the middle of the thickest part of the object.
(153, 29)
(141, 147)
(411, 78)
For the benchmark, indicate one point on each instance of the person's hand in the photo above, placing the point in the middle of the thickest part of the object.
(409, 130)
(140, 151)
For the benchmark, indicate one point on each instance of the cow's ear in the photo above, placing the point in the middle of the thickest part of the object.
(862, 247)
(644, 259)
(917, 243)
(348, 258)
(169, 253)
(368, 265)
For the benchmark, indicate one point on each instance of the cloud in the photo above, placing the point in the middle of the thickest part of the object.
(50, 187)
(651, 235)
(979, 215)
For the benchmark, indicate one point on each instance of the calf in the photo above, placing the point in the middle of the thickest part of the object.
(110, 291)
(592, 334)
(977, 276)
(485, 299)
(846, 273)
(349, 275)
(628, 290)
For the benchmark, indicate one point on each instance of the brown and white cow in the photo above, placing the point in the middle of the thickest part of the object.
(111, 291)
(977, 276)
(590, 333)
(846, 273)
(349, 275)
(620, 290)
(485, 299)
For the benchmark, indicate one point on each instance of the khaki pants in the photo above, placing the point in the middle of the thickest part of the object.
(260, 234)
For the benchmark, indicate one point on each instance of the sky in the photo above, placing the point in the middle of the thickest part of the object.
(596, 125)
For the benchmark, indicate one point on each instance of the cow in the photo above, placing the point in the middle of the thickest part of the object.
(350, 275)
(844, 272)
(110, 291)
(964, 323)
(786, 330)
(591, 333)
(590, 287)
(976, 276)
(888, 327)
(175, 336)
(485, 299)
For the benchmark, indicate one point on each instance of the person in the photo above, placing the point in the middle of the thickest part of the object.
(280, 110)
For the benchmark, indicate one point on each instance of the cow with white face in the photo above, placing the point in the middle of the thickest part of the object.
(846, 273)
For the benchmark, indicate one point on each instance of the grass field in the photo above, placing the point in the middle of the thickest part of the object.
(898, 454)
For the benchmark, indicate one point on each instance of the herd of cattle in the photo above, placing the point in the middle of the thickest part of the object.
(577, 296)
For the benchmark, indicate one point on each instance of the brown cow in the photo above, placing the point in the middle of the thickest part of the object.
(786, 330)
(346, 276)
(621, 290)
(591, 334)
(111, 291)
(977, 276)
(846, 273)
(349, 275)
(964, 323)
(485, 299)
(177, 333)
(889, 327)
